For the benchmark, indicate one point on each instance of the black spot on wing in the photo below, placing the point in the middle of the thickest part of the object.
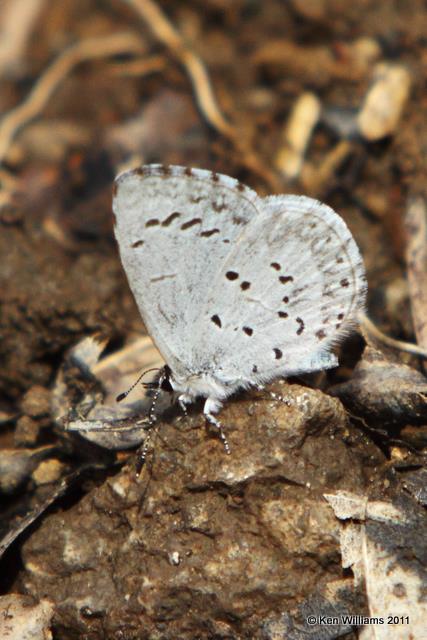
(153, 222)
(216, 320)
(137, 244)
(190, 223)
(286, 279)
(231, 275)
(277, 354)
(209, 233)
(173, 216)
(301, 326)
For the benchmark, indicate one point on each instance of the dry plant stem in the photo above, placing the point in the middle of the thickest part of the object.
(17, 19)
(316, 178)
(416, 260)
(408, 347)
(172, 39)
(297, 133)
(139, 67)
(88, 49)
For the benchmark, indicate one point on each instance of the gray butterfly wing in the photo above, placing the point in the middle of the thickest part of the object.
(289, 290)
(175, 226)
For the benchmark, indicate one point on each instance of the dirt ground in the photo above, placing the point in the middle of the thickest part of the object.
(325, 98)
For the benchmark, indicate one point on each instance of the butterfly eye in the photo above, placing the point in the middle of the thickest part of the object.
(165, 384)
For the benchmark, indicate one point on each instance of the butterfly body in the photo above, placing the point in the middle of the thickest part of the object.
(235, 290)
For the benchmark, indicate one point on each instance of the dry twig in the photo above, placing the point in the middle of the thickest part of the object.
(88, 49)
(138, 67)
(17, 18)
(171, 38)
(165, 31)
(367, 325)
(416, 259)
(297, 133)
(315, 178)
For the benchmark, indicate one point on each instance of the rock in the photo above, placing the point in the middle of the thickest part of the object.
(202, 537)
(36, 402)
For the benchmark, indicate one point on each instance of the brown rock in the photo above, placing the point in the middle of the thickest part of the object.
(26, 432)
(202, 537)
(385, 392)
(36, 402)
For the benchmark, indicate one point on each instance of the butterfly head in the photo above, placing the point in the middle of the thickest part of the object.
(164, 380)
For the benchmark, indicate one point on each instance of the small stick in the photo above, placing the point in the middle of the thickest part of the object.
(17, 20)
(408, 347)
(138, 67)
(165, 31)
(416, 261)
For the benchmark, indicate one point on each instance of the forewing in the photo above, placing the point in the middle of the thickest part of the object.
(174, 227)
(287, 293)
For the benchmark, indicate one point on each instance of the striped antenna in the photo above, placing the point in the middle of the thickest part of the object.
(123, 395)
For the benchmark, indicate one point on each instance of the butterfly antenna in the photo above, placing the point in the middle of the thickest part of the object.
(124, 395)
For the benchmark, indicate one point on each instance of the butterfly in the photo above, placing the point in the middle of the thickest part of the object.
(235, 290)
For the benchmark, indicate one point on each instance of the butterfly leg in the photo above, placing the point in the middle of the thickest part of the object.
(184, 399)
(211, 407)
(142, 452)
(280, 398)
(152, 419)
